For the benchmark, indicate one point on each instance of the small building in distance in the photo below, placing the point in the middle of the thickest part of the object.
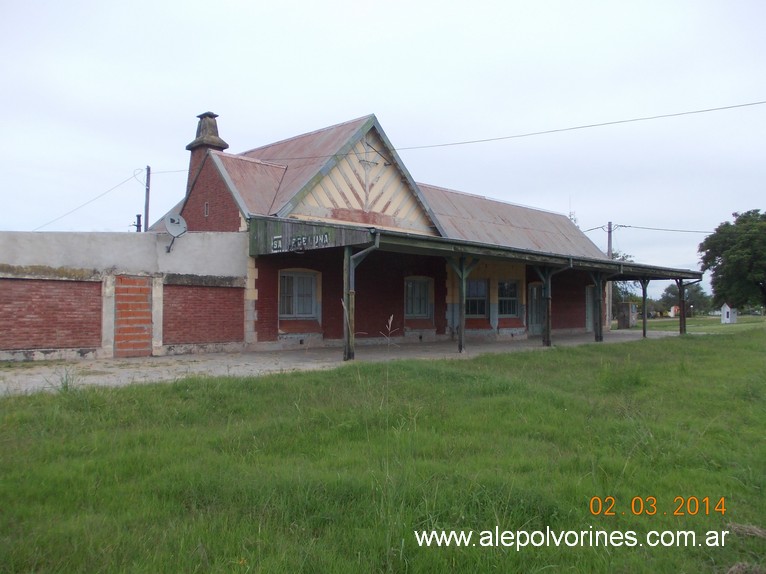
(728, 314)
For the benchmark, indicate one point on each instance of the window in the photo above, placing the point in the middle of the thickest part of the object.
(417, 300)
(476, 298)
(297, 295)
(508, 298)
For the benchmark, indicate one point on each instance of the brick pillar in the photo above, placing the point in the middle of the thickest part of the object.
(132, 316)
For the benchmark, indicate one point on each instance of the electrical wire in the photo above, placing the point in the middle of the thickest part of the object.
(586, 126)
(134, 176)
(466, 142)
(86, 203)
(671, 230)
(618, 226)
(538, 133)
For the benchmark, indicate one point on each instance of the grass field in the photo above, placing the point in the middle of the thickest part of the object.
(703, 324)
(333, 471)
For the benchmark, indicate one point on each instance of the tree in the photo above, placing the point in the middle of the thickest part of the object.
(736, 255)
(696, 297)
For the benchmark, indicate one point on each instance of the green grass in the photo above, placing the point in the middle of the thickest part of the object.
(333, 471)
(704, 324)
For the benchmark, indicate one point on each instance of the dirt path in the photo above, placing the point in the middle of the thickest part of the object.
(30, 377)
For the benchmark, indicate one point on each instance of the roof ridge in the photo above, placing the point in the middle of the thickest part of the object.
(311, 133)
(486, 198)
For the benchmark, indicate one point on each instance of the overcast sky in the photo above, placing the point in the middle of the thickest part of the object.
(94, 91)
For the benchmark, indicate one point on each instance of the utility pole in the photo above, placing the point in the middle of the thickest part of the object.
(146, 200)
(609, 283)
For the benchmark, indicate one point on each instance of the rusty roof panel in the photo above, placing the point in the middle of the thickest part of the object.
(480, 219)
(267, 180)
(254, 183)
(305, 156)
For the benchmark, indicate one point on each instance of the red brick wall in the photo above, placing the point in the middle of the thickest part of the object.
(132, 316)
(40, 314)
(196, 314)
(379, 291)
(510, 322)
(328, 262)
(223, 213)
(569, 300)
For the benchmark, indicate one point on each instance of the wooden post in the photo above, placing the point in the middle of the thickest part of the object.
(350, 263)
(348, 321)
(598, 296)
(146, 197)
(548, 296)
(644, 284)
(682, 306)
(462, 271)
(461, 312)
(546, 274)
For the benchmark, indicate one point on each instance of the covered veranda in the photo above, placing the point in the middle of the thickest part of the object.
(274, 235)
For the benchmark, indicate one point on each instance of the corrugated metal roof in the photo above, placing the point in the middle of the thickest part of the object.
(305, 156)
(484, 220)
(269, 180)
(256, 183)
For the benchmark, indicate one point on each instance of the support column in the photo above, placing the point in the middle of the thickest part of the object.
(682, 305)
(107, 316)
(644, 285)
(548, 296)
(348, 316)
(462, 271)
(546, 274)
(158, 305)
(350, 263)
(598, 294)
(462, 278)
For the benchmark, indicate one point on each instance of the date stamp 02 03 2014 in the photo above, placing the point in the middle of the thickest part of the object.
(648, 506)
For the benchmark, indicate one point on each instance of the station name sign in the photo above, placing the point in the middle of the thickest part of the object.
(281, 236)
(300, 242)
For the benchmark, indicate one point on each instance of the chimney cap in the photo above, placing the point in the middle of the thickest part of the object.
(207, 133)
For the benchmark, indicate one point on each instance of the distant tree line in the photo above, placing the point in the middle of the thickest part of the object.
(735, 256)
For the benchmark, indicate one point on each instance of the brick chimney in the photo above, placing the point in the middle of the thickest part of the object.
(207, 138)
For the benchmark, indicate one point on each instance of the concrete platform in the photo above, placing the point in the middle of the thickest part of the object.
(31, 377)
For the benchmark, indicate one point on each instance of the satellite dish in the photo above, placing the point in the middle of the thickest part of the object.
(175, 225)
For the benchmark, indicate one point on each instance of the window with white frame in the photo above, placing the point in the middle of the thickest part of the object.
(417, 298)
(476, 296)
(508, 298)
(297, 295)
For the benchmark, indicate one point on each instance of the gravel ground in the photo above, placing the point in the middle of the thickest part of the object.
(26, 377)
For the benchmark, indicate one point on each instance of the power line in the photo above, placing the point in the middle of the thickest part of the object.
(539, 133)
(466, 142)
(86, 203)
(586, 126)
(134, 176)
(671, 230)
(617, 226)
